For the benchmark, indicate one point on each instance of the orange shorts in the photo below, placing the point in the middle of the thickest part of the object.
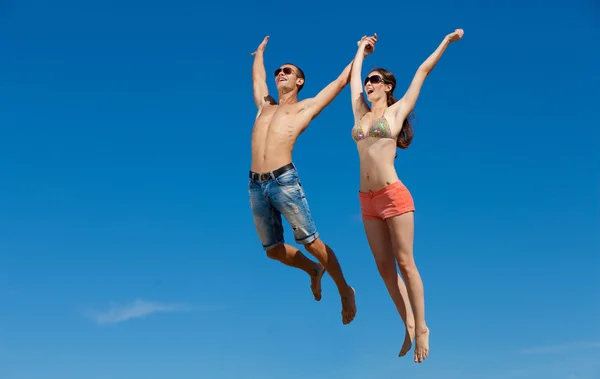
(389, 201)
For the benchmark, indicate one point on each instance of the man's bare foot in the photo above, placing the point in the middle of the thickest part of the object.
(422, 345)
(408, 339)
(348, 306)
(315, 281)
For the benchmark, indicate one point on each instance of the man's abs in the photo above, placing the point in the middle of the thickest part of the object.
(273, 138)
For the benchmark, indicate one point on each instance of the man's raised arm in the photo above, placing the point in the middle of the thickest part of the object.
(259, 75)
(315, 105)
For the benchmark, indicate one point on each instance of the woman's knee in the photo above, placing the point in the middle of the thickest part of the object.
(406, 261)
(407, 268)
(386, 268)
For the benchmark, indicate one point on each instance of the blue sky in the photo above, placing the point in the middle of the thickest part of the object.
(127, 248)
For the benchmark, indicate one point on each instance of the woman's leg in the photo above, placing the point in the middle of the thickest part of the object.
(380, 242)
(401, 229)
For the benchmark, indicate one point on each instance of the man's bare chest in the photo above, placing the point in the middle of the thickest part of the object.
(277, 118)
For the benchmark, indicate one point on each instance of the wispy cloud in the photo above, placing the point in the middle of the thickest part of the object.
(551, 349)
(117, 313)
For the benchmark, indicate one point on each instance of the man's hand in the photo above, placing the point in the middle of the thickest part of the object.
(262, 46)
(455, 35)
(368, 43)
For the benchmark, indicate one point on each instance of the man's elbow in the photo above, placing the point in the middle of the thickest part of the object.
(342, 82)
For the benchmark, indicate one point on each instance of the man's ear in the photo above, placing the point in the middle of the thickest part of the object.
(299, 81)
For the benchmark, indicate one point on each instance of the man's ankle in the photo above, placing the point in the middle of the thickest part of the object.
(344, 289)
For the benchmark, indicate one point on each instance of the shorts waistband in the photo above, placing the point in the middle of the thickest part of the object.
(372, 194)
(266, 176)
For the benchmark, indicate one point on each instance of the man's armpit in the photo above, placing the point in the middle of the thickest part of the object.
(269, 99)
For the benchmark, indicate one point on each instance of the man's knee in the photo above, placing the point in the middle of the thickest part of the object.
(276, 252)
(316, 246)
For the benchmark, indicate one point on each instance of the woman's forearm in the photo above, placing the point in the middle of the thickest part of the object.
(355, 72)
(434, 58)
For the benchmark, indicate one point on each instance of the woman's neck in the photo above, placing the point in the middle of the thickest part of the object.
(379, 107)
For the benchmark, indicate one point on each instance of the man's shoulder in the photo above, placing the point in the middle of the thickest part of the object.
(305, 104)
(295, 107)
(306, 101)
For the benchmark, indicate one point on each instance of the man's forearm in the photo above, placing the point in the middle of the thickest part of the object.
(258, 67)
(327, 94)
(259, 80)
(340, 82)
(344, 77)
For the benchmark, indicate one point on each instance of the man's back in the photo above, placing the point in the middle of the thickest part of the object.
(275, 132)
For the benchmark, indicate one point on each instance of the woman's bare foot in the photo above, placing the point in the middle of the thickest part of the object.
(408, 339)
(422, 345)
(348, 305)
(315, 281)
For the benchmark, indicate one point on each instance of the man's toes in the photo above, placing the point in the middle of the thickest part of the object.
(317, 295)
(346, 318)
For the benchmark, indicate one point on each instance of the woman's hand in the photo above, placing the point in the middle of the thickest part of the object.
(455, 35)
(368, 44)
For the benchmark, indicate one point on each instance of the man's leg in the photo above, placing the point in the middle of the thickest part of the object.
(267, 221)
(293, 257)
(288, 197)
(327, 257)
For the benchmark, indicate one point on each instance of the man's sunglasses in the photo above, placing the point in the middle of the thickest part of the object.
(286, 70)
(374, 79)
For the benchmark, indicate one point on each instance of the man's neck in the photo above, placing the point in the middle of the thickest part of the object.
(288, 98)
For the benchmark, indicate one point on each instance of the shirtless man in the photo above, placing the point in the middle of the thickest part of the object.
(274, 186)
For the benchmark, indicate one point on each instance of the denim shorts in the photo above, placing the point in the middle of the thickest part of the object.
(273, 196)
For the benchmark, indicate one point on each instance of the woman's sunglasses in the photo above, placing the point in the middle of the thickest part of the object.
(374, 79)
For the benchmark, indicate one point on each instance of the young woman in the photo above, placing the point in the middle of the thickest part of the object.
(387, 205)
